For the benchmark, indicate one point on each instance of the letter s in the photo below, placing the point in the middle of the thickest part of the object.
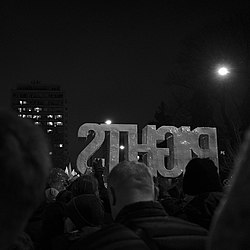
(92, 147)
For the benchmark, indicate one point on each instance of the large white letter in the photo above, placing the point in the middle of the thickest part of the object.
(92, 147)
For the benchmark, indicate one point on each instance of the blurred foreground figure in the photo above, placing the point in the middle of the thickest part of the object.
(231, 226)
(25, 164)
(140, 221)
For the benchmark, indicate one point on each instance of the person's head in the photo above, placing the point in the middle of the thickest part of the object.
(84, 211)
(129, 182)
(201, 176)
(57, 179)
(25, 163)
(85, 184)
(51, 194)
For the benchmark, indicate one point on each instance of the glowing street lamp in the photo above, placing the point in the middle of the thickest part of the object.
(122, 147)
(108, 122)
(223, 71)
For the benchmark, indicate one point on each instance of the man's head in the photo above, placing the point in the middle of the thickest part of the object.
(25, 163)
(129, 182)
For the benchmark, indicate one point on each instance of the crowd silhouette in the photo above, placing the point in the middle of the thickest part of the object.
(43, 208)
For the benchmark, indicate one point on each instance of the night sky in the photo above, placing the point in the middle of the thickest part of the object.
(112, 59)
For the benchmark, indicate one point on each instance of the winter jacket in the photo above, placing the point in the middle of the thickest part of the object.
(145, 225)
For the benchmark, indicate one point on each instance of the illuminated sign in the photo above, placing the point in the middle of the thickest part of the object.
(182, 146)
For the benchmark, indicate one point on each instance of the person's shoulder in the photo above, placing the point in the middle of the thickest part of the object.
(113, 236)
(170, 222)
(171, 232)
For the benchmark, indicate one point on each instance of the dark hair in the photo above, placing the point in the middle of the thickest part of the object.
(85, 210)
(85, 184)
(25, 163)
(201, 176)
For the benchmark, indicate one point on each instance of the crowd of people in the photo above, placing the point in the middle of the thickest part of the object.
(43, 208)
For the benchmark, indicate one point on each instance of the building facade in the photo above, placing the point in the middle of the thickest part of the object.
(46, 105)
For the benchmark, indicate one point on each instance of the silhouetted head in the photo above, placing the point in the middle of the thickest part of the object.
(57, 179)
(85, 184)
(85, 210)
(129, 182)
(201, 176)
(25, 163)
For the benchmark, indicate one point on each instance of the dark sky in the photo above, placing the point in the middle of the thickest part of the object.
(112, 59)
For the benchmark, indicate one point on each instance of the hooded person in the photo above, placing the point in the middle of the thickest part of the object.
(201, 183)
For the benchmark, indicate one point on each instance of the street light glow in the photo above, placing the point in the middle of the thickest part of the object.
(108, 122)
(223, 71)
(122, 147)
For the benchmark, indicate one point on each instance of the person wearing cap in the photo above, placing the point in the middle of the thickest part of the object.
(84, 216)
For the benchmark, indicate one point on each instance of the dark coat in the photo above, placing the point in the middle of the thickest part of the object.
(145, 225)
(167, 232)
(201, 208)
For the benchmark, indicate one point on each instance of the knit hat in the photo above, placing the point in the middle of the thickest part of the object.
(64, 196)
(85, 210)
(201, 176)
(85, 184)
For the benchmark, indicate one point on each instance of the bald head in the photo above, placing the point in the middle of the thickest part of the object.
(129, 182)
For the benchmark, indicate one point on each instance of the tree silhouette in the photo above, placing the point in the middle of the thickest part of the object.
(214, 101)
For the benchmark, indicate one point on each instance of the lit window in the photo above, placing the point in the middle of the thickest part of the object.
(37, 109)
(50, 153)
(21, 102)
(60, 145)
(20, 115)
(20, 109)
(50, 123)
(29, 109)
(37, 123)
(36, 116)
(24, 102)
(24, 109)
(49, 116)
(29, 116)
(59, 123)
(58, 116)
(24, 116)
(49, 131)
